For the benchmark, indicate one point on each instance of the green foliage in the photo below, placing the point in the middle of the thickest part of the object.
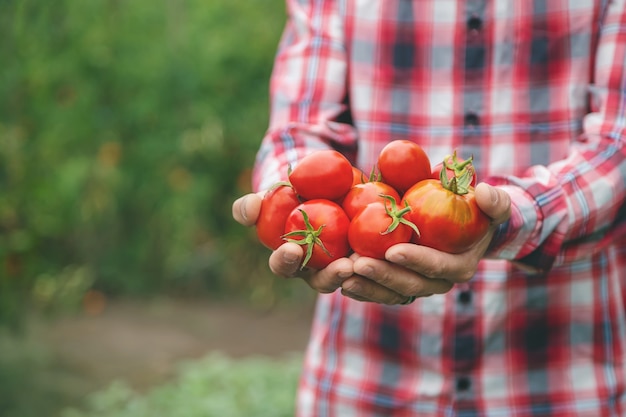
(214, 386)
(126, 131)
(25, 383)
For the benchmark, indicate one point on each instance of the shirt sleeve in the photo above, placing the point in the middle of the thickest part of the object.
(309, 109)
(570, 208)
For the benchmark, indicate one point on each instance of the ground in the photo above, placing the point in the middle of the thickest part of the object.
(142, 342)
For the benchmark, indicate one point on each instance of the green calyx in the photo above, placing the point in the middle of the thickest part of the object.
(397, 216)
(373, 177)
(280, 184)
(375, 174)
(309, 237)
(463, 174)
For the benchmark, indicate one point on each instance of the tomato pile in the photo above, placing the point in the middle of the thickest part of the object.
(332, 208)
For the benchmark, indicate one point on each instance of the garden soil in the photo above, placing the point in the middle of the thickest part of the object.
(144, 342)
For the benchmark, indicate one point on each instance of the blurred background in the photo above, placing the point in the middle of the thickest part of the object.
(127, 128)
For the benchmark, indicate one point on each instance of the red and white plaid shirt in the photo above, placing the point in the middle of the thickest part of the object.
(535, 90)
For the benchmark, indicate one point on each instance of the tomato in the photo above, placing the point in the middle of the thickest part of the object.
(377, 227)
(361, 195)
(447, 220)
(358, 177)
(278, 202)
(323, 174)
(403, 163)
(455, 167)
(322, 227)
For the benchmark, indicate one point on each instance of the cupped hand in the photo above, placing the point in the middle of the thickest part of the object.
(409, 270)
(412, 271)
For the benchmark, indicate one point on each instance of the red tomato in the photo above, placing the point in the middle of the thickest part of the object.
(379, 226)
(403, 163)
(455, 167)
(361, 195)
(358, 177)
(322, 227)
(447, 221)
(278, 202)
(322, 174)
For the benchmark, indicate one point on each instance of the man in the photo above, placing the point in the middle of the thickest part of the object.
(530, 321)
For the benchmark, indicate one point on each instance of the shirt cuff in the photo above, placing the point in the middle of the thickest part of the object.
(512, 238)
(517, 239)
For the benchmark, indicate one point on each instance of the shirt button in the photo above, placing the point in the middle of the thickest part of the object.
(463, 384)
(465, 297)
(471, 119)
(474, 23)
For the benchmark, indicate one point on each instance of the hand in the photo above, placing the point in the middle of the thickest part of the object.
(286, 260)
(418, 271)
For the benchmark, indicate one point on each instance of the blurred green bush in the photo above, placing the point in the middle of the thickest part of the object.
(127, 128)
(214, 386)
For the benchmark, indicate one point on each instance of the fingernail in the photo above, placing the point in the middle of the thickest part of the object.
(494, 195)
(344, 274)
(366, 271)
(242, 209)
(354, 288)
(290, 258)
(396, 258)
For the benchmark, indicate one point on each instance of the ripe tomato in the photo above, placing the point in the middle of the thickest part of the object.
(361, 195)
(322, 174)
(403, 163)
(322, 227)
(447, 221)
(277, 203)
(358, 177)
(455, 167)
(379, 226)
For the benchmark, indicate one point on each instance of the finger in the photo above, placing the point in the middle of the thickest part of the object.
(397, 279)
(332, 277)
(286, 260)
(354, 296)
(246, 208)
(494, 202)
(364, 289)
(433, 264)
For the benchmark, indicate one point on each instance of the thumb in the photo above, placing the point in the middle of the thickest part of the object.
(246, 208)
(494, 202)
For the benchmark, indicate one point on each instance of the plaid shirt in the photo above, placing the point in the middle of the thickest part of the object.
(535, 90)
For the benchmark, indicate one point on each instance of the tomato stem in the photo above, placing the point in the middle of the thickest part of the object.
(374, 174)
(397, 216)
(309, 237)
(280, 184)
(463, 174)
